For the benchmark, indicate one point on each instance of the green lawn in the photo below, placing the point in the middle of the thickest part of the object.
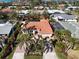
(11, 55)
(60, 54)
(33, 57)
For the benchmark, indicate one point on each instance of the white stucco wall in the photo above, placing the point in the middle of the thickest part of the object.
(74, 20)
(71, 20)
(46, 35)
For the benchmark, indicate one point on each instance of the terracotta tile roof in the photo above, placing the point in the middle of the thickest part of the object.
(6, 10)
(42, 26)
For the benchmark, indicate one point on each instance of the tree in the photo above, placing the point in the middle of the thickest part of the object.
(63, 34)
(4, 16)
(23, 37)
(13, 16)
(45, 14)
(76, 3)
(35, 2)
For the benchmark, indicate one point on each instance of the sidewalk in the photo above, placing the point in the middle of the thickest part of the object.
(19, 52)
(50, 55)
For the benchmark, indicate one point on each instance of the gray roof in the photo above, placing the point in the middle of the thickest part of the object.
(65, 16)
(58, 26)
(5, 28)
(73, 27)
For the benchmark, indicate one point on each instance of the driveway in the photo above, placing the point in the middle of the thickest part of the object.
(19, 52)
(50, 55)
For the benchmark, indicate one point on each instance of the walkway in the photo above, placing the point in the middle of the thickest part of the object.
(50, 55)
(19, 52)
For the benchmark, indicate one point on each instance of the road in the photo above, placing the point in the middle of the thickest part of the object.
(50, 55)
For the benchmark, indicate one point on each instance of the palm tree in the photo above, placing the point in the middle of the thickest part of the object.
(35, 2)
(13, 16)
(63, 34)
(63, 39)
(23, 37)
(4, 16)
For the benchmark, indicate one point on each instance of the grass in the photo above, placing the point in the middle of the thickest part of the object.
(33, 57)
(59, 53)
(76, 12)
(11, 55)
(2, 51)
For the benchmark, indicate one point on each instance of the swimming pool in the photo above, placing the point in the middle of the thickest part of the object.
(6, 0)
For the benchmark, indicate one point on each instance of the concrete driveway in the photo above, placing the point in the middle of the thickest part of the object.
(19, 52)
(50, 55)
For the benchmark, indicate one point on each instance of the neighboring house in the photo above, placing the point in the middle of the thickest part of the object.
(22, 11)
(72, 8)
(57, 26)
(61, 6)
(55, 11)
(39, 7)
(12, 7)
(65, 17)
(20, 2)
(42, 27)
(73, 27)
(5, 27)
(7, 10)
(46, 1)
(38, 10)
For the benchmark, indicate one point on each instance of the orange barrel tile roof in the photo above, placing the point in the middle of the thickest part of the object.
(42, 26)
(6, 10)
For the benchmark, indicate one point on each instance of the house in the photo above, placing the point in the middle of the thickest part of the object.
(5, 27)
(22, 11)
(39, 7)
(72, 8)
(7, 10)
(55, 11)
(65, 17)
(12, 7)
(45, 1)
(73, 27)
(42, 27)
(57, 26)
(61, 6)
